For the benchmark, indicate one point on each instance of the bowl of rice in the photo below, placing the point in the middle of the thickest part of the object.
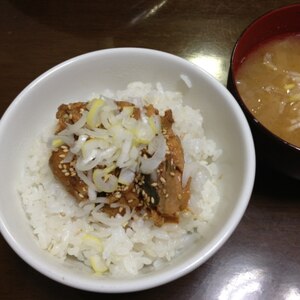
(124, 169)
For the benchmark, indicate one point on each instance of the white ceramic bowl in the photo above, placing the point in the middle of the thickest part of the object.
(77, 78)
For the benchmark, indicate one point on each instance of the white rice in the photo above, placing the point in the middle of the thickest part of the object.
(68, 229)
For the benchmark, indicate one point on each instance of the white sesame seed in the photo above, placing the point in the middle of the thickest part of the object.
(163, 180)
(118, 195)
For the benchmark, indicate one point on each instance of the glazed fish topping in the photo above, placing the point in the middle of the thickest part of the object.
(123, 152)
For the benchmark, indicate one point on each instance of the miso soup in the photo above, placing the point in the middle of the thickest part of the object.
(269, 83)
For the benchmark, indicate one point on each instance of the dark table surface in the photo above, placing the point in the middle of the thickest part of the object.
(261, 260)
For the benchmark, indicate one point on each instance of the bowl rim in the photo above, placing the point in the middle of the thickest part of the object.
(233, 72)
(165, 275)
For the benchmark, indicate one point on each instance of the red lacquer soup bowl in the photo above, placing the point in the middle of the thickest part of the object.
(270, 148)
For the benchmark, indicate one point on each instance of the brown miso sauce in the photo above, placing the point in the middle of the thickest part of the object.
(268, 81)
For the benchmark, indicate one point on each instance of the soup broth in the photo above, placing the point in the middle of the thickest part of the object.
(268, 81)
